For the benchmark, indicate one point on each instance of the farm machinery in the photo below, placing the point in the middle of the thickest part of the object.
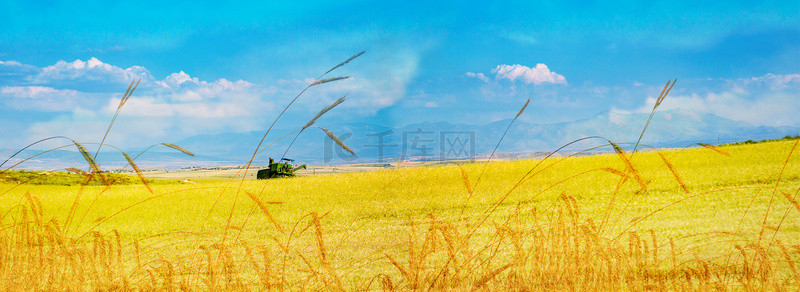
(282, 168)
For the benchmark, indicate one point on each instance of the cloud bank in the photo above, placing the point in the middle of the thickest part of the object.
(77, 98)
(539, 74)
(769, 100)
(90, 70)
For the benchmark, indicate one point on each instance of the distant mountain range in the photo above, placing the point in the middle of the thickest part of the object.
(434, 141)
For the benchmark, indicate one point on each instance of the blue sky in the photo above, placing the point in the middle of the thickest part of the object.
(211, 67)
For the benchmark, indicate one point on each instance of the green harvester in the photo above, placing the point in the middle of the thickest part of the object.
(283, 168)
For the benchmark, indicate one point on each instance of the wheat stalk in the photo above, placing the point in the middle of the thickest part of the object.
(664, 92)
(400, 268)
(714, 148)
(122, 102)
(88, 157)
(345, 61)
(792, 200)
(265, 211)
(674, 172)
(255, 152)
(312, 121)
(179, 148)
(625, 159)
(486, 278)
(76, 170)
(521, 110)
(338, 141)
(323, 254)
(323, 111)
(326, 80)
(615, 171)
(26, 147)
(465, 179)
(138, 172)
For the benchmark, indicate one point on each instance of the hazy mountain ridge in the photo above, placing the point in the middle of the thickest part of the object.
(435, 140)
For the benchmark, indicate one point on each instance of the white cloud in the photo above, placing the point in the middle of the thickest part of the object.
(182, 80)
(10, 63)
(34, 91)
(176, 79)
(537, 75)
(13, 72)
(38, 98)
(181, 95)
(87, 93)
(77, 99)
(772, 81)
(769, 100)
(480, 76)
(366, 95)
(493, 89)
(177, 95)
(180, 87)
(83, 126)
(90, 70)
(151, 107)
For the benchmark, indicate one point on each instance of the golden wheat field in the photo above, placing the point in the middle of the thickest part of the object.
(698, 218)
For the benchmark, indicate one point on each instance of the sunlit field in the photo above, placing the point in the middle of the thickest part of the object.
(701, 218)
(399, 146)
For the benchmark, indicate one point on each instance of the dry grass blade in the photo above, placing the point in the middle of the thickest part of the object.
(326, 80)
(34, 211)
(338, 142)
(179, 148)
(345, 61)
(266, 133)
(789, 259)
(26, 147)
(674, 172)
(323, 253)
(76, 170)
(792, 200)
(715, 149)
(323, 111)
(775, 189)
(625, 159)
(465, 178)
(138, 172)
(400, 268)
(616, 171)
(521, 110)
(486, 278)
(265, 211)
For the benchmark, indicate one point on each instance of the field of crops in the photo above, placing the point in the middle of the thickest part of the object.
(703, 217)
